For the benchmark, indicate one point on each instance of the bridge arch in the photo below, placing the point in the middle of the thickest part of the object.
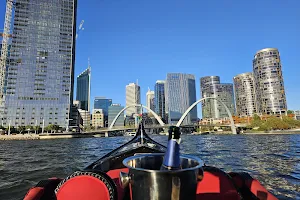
(137, 105)
(233, 129)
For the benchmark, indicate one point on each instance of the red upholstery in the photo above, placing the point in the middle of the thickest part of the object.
(260, 191)
(115, 176)
(34, 193)
(83, 187)
(215, 185)
(250, 187)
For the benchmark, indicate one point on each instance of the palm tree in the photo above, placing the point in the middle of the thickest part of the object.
(21, 129)
(28, 128)
(36, 129)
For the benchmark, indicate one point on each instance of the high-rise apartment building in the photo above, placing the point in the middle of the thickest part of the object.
(39, 74)
(133, 96)
(244, 94)
(160, 98)
(181, 94)
(102, 103)
(83, 91)
(113, 110)
(269, 86)
(211, 87)
(150, 99)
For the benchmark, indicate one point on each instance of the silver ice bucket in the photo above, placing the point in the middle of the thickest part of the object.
(147, 182)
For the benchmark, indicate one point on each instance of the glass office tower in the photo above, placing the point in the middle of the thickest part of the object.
(160, 99)
(83, 91)
(40, 71)
(181, 94)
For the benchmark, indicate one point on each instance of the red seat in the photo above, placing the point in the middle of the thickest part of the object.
(115, 176)
(250, 187)
(260, 191)
(216, 185)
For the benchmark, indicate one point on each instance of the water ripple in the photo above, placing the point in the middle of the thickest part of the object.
(273, 159)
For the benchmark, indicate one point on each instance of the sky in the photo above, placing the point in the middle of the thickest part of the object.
(130, 40)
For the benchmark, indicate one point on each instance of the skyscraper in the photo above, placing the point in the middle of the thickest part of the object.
(150, 99)
(244, 94)
(269, 87)
(133, 96)
(39, 75)
(159, 98)
(102, 103)
(113, 110)
(211, 87)
(84, 89)
(181, 94)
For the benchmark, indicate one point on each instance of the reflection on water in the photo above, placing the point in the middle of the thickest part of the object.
(273, 159)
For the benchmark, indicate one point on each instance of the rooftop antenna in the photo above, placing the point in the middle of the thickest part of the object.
(89, 64)
(137, 81)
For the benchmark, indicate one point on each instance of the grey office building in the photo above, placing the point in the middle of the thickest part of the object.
(113, 110)
(83, 91)
(244, 94)
(181, 94)
(269, 86)
(40, 69)
(211, 87)
(160, 99)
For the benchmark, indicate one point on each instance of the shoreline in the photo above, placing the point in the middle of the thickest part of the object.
(76, 135)
(48, 136)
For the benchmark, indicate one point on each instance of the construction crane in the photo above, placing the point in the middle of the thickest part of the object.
(80, 28)
(6, 35)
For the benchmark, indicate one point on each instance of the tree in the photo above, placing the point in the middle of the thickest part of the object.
(21, 129)
(55, 128)
(37, 128)
(87, 128)
(12, 129)
(256, 122)
(29, 128)
(50, 128)
(290, 112)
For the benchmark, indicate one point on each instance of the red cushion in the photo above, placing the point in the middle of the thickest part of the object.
(216, 185)
(83, 187)
(34, 193)
(115, 176)
(259, 190)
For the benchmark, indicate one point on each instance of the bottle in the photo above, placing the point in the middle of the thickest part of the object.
(172, 156)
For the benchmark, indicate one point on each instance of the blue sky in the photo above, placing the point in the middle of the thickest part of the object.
(128, 40)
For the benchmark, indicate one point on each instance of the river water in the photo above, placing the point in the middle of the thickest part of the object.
(273, 159)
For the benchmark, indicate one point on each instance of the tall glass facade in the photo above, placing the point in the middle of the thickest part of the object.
(39, 76)
(269, 86)
(160, 99)
(84, 89)
(113, 110)
(211, 87)
(181, 94)
(244, 94)
(102, 103)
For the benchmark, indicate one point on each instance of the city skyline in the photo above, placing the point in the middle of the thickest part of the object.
(227, 68)
(147, 47)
